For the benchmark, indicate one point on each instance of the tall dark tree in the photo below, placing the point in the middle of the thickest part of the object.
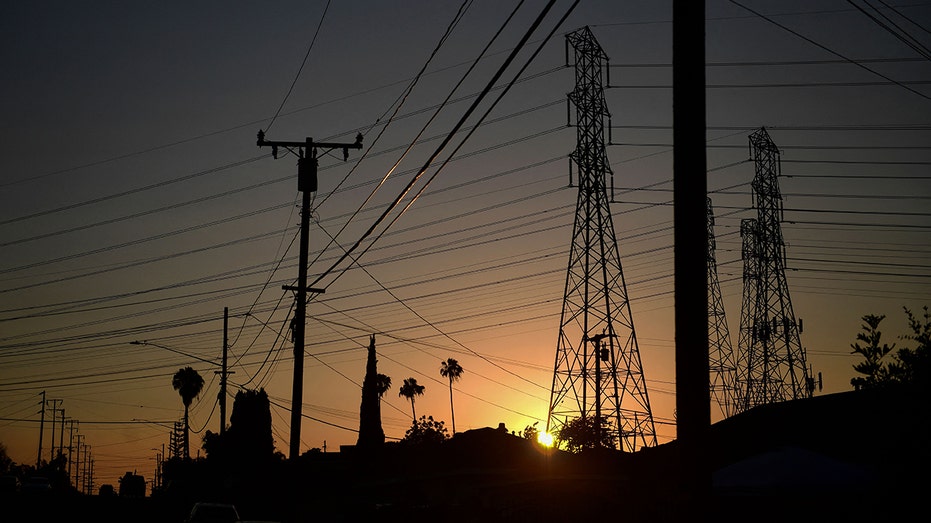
(371, 433)
(188, 382)
(913, 365)
(409, 390)
(451, 370)
(872, 368)
(909, 366)
(248, 440)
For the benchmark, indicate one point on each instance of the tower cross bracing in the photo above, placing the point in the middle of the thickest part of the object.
(597, 372)
(771, 360)
(721, 358)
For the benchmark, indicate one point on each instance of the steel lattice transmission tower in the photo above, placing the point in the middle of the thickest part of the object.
(597, 373)
(771, 363)
(721, 356)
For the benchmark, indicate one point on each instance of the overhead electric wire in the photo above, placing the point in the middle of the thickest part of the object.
(429, 161)
(431, 324)
(896, 31)
(895, 10)
(238, 273)
(770, 63)
(301, 68)
(414, 179)
(835, 53)
(861, 83)
(226, 220)
(813, 256)
(135, 190)
(455, 129)
(148, 212)
(423, 128)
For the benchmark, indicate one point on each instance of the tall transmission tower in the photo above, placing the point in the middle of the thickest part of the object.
(771, 363)
(597, 372)
(721, 352)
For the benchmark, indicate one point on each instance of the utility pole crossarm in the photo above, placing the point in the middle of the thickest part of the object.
(309, 143)
(306, 184)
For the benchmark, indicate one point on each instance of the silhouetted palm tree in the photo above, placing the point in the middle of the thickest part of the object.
(451, 370)
(188, 382)
(409, 390)
(382, 384)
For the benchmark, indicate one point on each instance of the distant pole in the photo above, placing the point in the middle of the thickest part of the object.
(41, 431)
(61, 434)
(693, 410)
(70, 446)
(54, 403)
(77, 464)
(306, 183)
(223, 373)
(84, 474)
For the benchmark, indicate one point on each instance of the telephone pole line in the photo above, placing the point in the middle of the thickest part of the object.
(78, 464)
(55, 403)
(306, 183)
(71, 446)
(61, 434)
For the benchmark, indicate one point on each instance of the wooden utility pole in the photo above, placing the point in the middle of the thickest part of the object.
(70, 445)
(78, 464)
(41, 430)
(61, 434)
(306, 183)
(690, 213)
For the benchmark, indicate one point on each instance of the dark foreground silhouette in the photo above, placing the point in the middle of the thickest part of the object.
(857, 456)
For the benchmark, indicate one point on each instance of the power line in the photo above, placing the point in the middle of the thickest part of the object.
(301, 68)
(449, 136)
(835, 53)
(895, 30)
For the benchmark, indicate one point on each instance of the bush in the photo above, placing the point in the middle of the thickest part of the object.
(425, 431)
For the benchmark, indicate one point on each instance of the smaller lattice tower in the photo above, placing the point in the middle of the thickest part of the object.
(771, 364)
(721, 352)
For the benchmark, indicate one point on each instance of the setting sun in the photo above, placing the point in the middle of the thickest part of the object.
(545, 439)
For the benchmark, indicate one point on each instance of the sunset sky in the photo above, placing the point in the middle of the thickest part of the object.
(136, 205)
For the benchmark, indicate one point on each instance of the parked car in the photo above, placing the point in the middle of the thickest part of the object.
(9, 483)
(213, 513)
(36, 485)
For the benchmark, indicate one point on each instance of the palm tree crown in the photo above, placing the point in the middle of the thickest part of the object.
(188, 382)
(382, 384)
(451, 370)
(409, 390)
